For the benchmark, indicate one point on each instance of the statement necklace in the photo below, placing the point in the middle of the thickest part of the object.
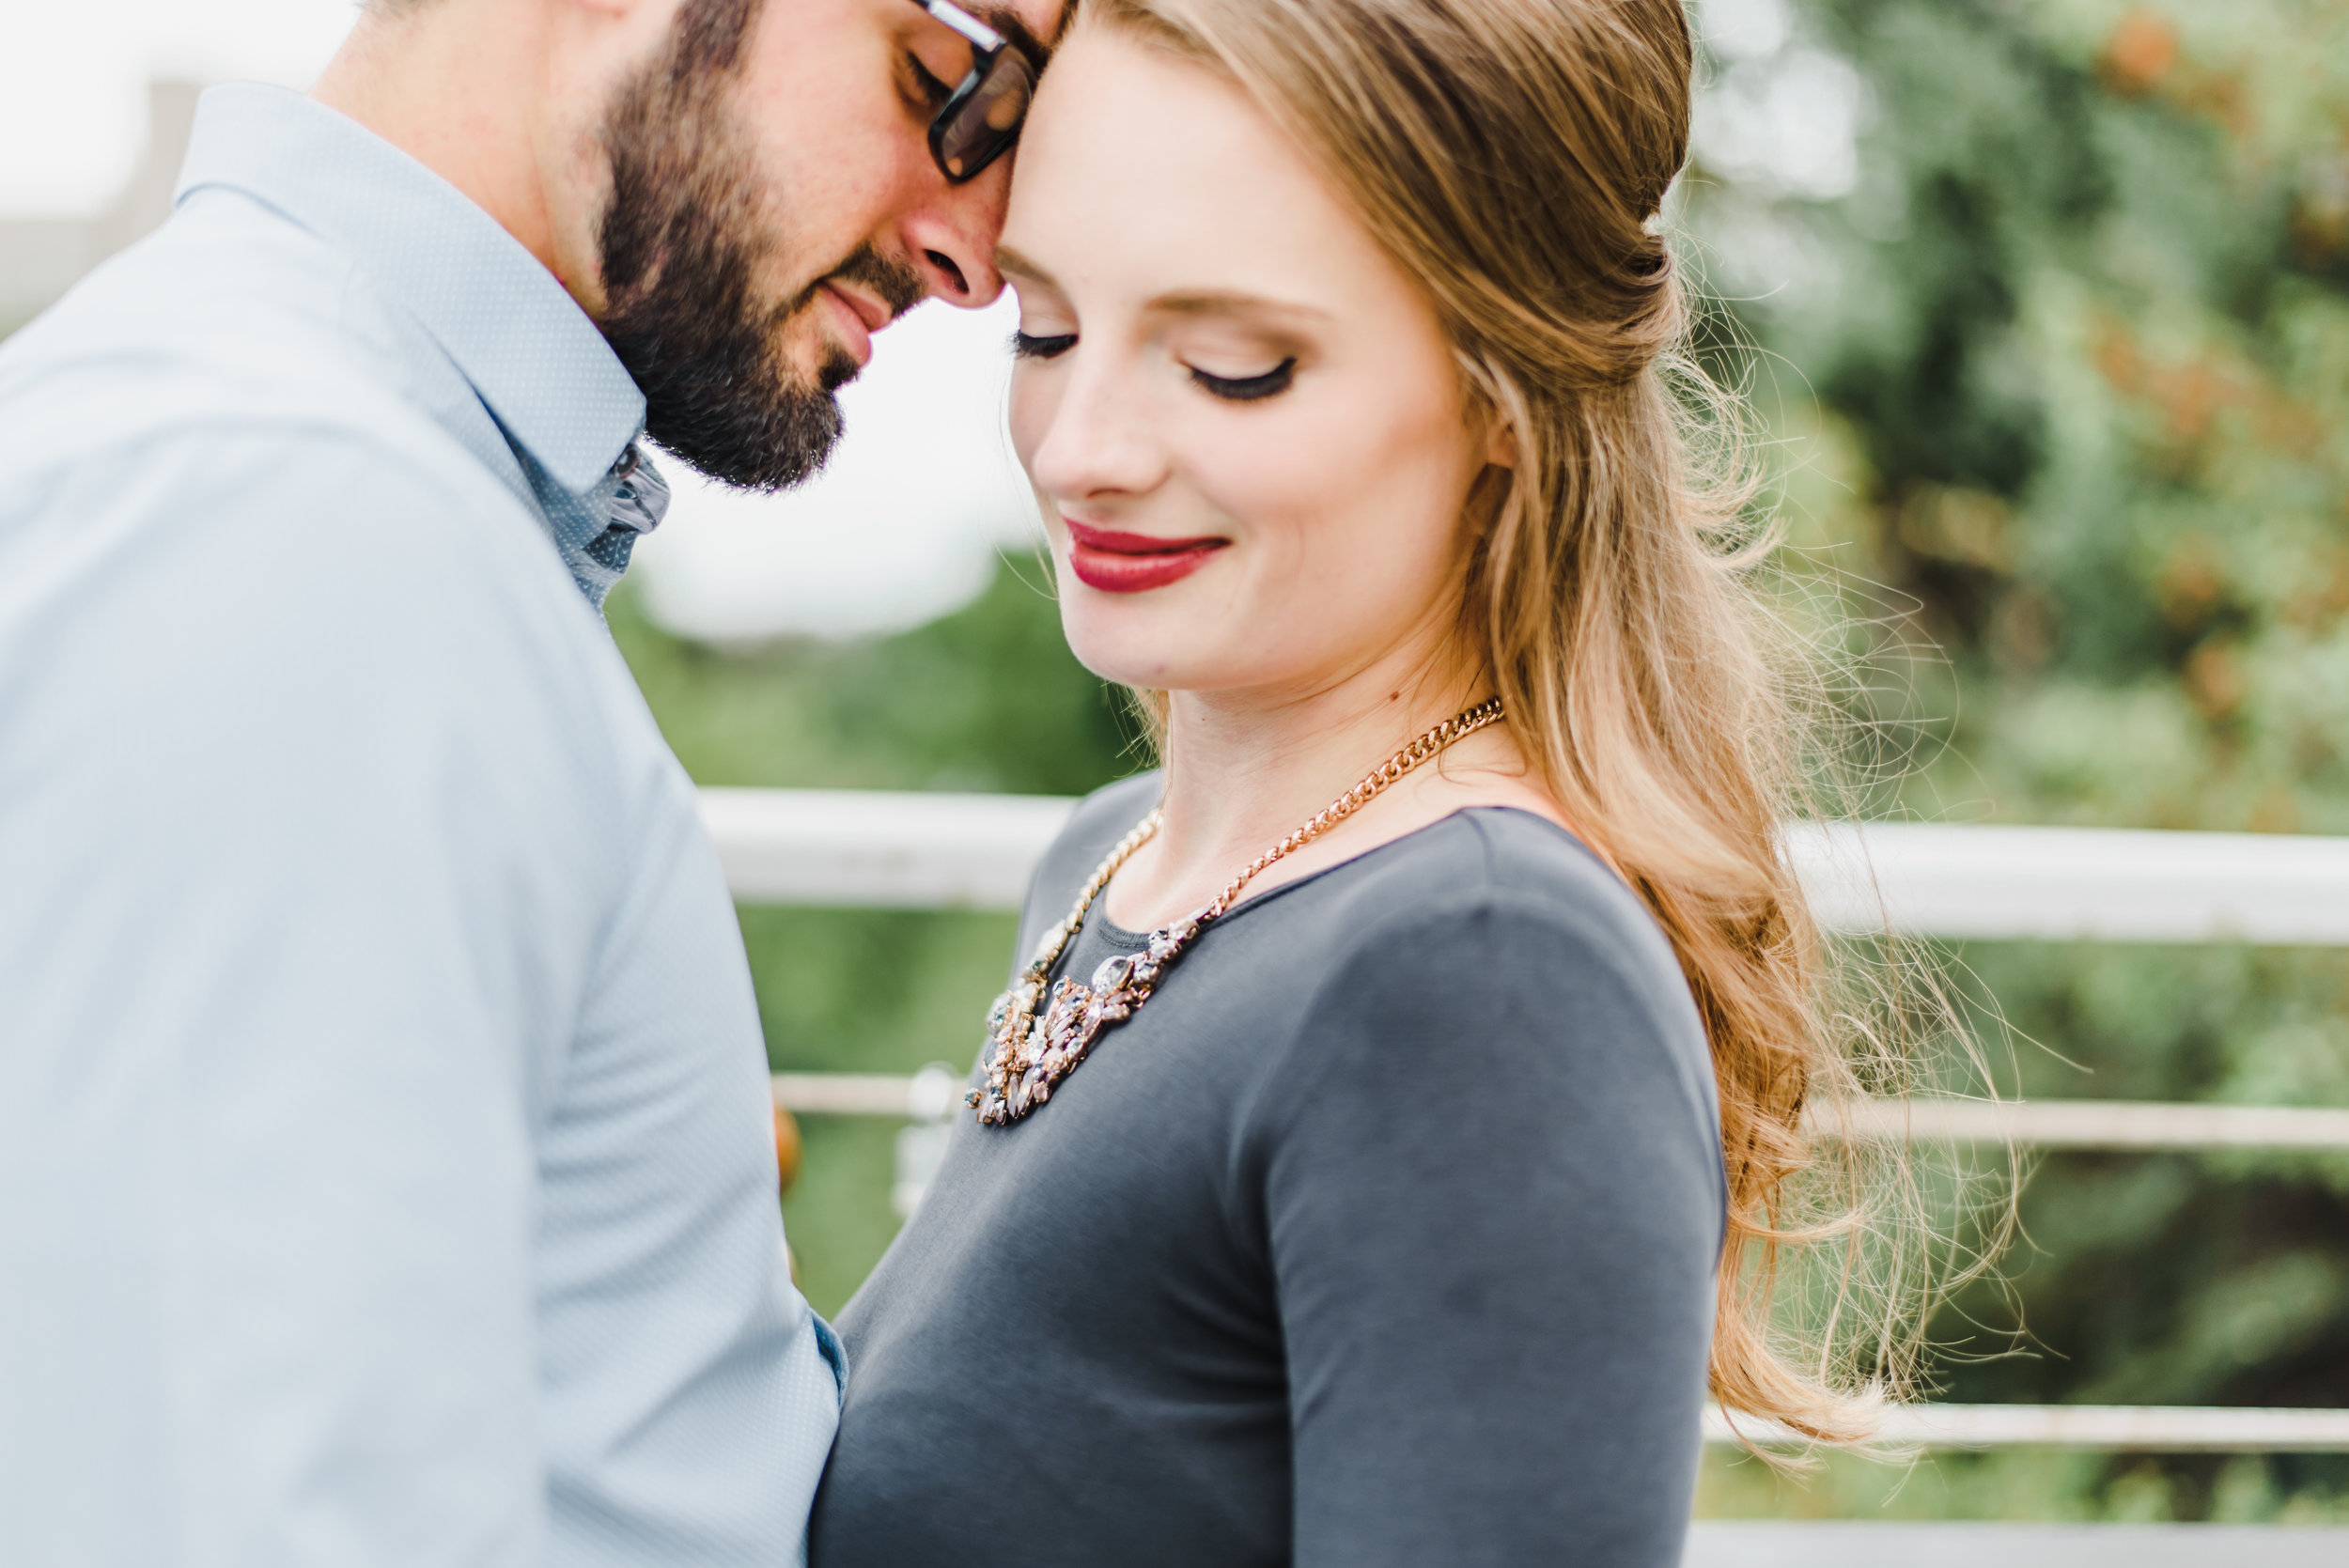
(1032, 1044)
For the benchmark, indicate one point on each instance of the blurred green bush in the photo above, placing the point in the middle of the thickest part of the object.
(2059, 393)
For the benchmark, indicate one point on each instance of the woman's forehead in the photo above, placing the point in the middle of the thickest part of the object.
(1146, 176)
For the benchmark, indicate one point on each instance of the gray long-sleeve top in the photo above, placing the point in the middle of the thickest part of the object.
(1384, 1234)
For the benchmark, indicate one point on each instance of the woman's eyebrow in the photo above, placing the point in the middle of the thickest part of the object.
(1009, 261)
(1227, 302)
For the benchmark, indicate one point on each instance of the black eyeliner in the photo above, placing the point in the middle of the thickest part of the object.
(1023, 346)
(1247, 389)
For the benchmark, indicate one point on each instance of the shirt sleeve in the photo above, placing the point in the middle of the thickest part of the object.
(294, 916)
(1493, 1197)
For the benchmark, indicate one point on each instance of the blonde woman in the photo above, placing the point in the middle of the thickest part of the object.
(1363, 1165)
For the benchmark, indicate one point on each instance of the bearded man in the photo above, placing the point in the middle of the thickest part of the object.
(385, 1171)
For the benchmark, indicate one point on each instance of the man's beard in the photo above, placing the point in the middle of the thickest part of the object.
(684, 242)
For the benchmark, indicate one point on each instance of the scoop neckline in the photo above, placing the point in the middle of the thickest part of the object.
(1118, 936)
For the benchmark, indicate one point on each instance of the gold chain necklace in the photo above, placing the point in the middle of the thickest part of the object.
(1032, 1044)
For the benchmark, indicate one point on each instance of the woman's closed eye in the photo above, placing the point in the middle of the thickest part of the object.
(1026, 345)
(1247, 389)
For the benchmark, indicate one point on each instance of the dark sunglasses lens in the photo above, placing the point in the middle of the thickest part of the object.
(980, 128)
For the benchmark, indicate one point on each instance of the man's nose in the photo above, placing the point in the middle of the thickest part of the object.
(954, 235)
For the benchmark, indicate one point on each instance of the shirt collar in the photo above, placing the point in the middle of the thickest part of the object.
(538, 362)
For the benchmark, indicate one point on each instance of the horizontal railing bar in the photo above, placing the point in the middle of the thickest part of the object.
(922, 1096)
(2109, 1124)
(2134, 1428)
(880, 851)
(935, 851)
(1919, 1543)
(2066, 884)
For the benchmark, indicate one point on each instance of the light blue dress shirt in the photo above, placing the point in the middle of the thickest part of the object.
(387, 1171)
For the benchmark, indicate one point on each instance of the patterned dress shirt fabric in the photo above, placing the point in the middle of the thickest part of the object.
(386, 1173)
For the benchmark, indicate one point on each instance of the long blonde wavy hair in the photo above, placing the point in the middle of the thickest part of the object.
(1512, 156)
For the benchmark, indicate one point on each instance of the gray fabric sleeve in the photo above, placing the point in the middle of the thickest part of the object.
(1492, 1193)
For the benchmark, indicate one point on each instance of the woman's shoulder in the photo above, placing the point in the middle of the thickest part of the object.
(1508, 862)
(1508, 923)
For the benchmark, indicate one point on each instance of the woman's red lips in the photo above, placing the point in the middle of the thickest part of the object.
(1119, 563)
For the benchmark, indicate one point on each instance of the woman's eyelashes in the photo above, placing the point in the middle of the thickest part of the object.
(1234, 389)
(1247, 389)
(1041, 345)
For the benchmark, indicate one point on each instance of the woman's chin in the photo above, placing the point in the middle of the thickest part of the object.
(1123, 665)
(1159, 657)
(1147, 640)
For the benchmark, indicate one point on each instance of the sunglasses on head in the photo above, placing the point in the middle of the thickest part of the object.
(981, 118)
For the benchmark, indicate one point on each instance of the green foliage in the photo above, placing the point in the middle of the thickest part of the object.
(2070, 369)
(2065, 382)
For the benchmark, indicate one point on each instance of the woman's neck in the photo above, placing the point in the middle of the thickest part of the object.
(1244, 769)
(1240, 775)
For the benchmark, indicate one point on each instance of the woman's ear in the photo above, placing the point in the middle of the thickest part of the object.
(1500, 442)
(1486, 416)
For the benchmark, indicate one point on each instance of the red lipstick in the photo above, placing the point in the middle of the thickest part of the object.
(1119, 563)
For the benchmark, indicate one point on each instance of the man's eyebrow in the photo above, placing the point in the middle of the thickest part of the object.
(1008, 22)
(1010, 260)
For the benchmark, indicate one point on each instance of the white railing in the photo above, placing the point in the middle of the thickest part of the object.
(875, 850)
(2128, 1428)
(2108, 1124)
(1916, 1543)
(975, 852)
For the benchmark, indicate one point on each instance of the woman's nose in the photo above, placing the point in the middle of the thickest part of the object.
(1097, 440)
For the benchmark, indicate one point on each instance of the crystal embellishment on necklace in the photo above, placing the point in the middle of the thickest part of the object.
(1038, 1031)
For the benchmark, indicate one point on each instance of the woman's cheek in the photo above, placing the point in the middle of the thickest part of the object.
(1248, 458)
(1287, 478)
(1029, 413)
(1360, 513)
